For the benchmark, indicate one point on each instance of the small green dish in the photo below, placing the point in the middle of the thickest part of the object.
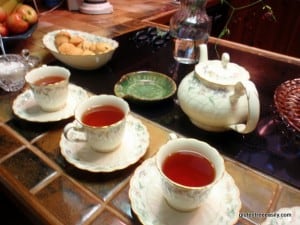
(145, 86)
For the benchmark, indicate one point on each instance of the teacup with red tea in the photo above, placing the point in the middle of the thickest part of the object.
(101, 121)
(49, 85)
(189, 169)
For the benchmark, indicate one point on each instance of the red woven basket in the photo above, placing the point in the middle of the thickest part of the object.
(287, 102)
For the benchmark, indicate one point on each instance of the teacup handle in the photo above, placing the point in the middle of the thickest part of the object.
(253, 106)
(74, 132)
(173, 136)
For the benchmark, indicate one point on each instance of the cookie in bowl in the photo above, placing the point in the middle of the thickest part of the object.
(80, 50)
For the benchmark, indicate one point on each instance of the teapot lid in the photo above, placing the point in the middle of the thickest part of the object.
(221, 71)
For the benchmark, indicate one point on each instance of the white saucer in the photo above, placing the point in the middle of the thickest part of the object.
(221, 207)
(134, 145)
(284, 216)
(25, 106)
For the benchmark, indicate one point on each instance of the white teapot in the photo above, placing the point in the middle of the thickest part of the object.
(219, 96)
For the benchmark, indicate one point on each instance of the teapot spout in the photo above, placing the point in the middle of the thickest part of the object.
(203, 53)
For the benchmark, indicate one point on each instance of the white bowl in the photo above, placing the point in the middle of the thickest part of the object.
(84, 62)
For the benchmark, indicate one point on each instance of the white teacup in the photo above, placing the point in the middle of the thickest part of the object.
(100, 122)
(185, 189)
(49, 85)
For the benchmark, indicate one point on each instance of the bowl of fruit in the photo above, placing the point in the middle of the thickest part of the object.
(17, 20)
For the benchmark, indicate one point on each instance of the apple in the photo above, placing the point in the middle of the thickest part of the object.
(16, 24)
(3, 30)
(27, 13)
(3, 15)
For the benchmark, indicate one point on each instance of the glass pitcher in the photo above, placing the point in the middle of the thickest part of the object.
(189, 27)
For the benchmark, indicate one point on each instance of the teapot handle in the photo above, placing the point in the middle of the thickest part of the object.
(253, 107)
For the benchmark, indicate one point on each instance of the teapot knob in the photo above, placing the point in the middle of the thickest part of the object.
(203, 53)
(225, 59)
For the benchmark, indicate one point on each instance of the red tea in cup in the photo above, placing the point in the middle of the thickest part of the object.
(54, 97)
(189, 169)
(101, 122)
(101, 116)
(49, 80)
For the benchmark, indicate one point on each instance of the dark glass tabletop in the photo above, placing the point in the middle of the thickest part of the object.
(272, 148)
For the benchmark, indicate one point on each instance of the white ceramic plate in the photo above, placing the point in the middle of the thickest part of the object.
(221, 207)
(284, 216)
(25, 106)
(134, 145)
